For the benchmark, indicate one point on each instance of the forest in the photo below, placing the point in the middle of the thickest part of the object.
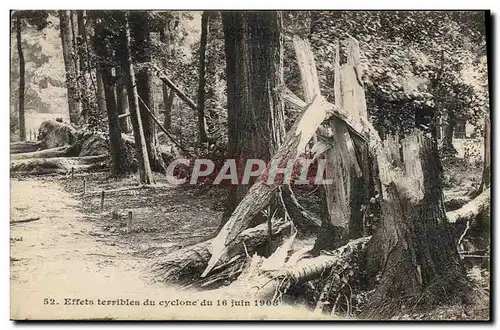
(336, 161)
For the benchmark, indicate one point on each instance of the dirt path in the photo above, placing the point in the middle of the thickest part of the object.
(62, 269)
(56, 255)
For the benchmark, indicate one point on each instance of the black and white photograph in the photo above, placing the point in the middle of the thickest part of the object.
(250, 165)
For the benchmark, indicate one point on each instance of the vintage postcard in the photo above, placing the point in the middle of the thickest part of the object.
(249, 165)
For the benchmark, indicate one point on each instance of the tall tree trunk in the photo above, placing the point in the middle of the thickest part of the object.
(22, 124)
(101, 98)
(139, 26)
(413, 249)
(145, 174)
(120, 160)
(123, 108)
(486, 178)
(254, 68)
(168, 98)
(202, 121)
(74, 105)
(74, 42)
(449, 131)
(81, 43)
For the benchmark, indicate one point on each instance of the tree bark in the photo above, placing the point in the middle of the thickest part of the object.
(202, 121)
(254, 68)
(120, 160)
(413, 250)
(141, 45)
(186, 265)
(81, 43)
(168, 98)
(146, 176)
(74, 44)
(101, 98)
(486, 178)
(122, 99)
(22, 83)
(61, 165)
(74, 105)
(24, 147)
(48, 153)
(449, 130)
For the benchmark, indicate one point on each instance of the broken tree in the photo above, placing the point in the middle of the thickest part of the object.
(413, 250)
(260, 194)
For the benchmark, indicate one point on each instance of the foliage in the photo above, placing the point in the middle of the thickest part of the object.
(414, 61)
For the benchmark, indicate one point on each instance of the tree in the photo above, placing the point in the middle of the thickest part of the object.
(83, 60)
(168, 98)
(486, 177)
(120, 160)
(202, 121)
(254, 68)
(414, 63)
(37, 19)
(145, 173)
(413, 254)
(22, 126)
(69, 55)
(141, 47)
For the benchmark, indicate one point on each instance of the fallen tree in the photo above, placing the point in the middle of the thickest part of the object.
(412, 255)
(60, 165)
(270, 278)
(184, 266)
(48, 153)
(472, 209)
(25, 146)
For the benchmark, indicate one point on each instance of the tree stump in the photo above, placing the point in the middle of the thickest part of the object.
(413, 250)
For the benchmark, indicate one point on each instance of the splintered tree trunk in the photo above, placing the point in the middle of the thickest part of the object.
(22, 124)
(120, 161)
(202, 121)
(74, 105)
(139, 26)
(145, 174)
(413, 249)
(254, 68)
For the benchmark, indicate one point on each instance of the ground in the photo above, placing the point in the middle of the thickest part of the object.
(78, 250)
